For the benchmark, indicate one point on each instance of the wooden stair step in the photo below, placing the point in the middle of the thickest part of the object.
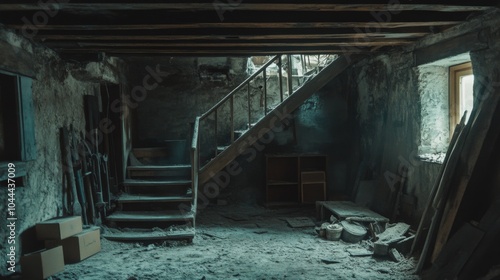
(150, 216)
(156, 183)
(151, 152)
(159, 167)
(159, 170)
(149, 235)
(129, 198)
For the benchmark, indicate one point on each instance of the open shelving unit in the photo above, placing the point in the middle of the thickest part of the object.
(292, 179)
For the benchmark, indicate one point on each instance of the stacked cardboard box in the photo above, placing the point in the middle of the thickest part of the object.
(65, 242)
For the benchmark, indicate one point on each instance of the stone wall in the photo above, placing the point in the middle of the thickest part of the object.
(376, 116)
(58, 89)
(403, 107)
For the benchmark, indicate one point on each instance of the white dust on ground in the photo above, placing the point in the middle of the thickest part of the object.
(259, 245)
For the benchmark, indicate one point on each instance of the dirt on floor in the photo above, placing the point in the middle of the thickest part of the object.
(244, 242)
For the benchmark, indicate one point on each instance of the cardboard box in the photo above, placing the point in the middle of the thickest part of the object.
(42, 264)
(59, 229)
(78, 247)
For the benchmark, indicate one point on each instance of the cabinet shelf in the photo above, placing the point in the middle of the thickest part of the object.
(284, 182)
(281, 183)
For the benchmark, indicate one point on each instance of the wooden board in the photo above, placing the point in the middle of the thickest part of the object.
(164, 216)
(394, 232)
(127, 198)
(449, 48)
(346, 209)
(143, 235)
(455, 253)
(483, 130)
(300, 222)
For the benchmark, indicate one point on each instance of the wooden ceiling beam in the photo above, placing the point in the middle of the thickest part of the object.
(372, 35)
(240, 25)
(359, 43)
(437, 6)
(201, 52)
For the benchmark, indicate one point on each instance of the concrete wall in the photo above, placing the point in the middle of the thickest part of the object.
(58, 88)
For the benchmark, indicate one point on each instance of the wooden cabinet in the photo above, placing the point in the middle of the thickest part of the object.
(295, 178)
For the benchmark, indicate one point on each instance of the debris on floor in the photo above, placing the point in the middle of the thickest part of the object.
(227, 249)
(300, 222)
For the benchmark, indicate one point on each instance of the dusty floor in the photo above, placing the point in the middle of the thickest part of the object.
(254, 243)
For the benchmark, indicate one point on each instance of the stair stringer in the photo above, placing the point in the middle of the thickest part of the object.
(279, 113)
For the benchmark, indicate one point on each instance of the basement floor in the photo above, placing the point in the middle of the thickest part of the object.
(243, 242)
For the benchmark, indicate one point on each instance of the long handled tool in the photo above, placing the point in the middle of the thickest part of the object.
(77, 165)
(76, 208)
(89, 188)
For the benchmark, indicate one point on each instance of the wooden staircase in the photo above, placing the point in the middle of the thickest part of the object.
(157, 202)
(246, 138)
(161, 195)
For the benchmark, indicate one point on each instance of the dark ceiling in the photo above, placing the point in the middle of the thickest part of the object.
(232, 27)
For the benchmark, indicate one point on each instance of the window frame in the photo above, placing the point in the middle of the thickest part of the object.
(456, 72)
(26, 126)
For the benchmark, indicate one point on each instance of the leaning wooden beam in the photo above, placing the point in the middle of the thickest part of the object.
(441, 190)
(483, 130)
(424, 221)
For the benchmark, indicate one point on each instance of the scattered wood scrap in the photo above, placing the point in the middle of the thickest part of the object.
(394, 233)
(234, 217)
(359, 252)
(300, 222)
(388, 238)
(348, 209)
(395, 255)
(329, 261)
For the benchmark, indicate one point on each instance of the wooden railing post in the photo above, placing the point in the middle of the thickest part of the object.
(230, 98)
(195, 165)
(264, 75)
(231, 117)
(249, 107)
(280, 68)
(215, 132)
(290, 74)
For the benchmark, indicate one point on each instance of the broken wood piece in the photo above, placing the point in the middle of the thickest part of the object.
(359, 252)
(366, 219)
(347, 209)
(328, 261)
(380, 249)
(395, 255)
(394, 232)
(212, 235)
(234, 217)
(300, 222)
(404, 246)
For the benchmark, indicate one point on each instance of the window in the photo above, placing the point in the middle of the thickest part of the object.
(445, 88)
(17, 131)
(461, 93)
